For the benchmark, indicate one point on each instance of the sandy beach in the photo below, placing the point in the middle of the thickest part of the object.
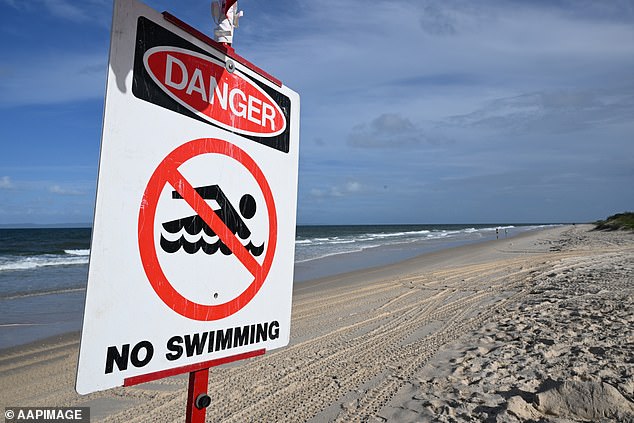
(538, 327)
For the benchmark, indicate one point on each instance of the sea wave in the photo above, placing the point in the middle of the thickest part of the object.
(38, 293)
(83, 252)
(308, 248)
(9, 263)
(322, 242)
(399, 234)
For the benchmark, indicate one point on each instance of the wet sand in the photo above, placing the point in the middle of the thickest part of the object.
(538, 327)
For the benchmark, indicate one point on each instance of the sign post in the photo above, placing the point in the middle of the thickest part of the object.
(197, 398)
(194, 233)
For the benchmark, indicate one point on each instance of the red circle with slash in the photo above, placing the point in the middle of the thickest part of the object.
(167, 173)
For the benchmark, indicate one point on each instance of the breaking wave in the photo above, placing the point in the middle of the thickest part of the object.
(8, 263)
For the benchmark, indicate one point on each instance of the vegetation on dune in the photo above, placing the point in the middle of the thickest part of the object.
(615, 222)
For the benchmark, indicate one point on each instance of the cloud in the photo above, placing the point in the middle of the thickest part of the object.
(5, 183)
(66, 10)
(57, 189)
(388, 130)
(557, 111)
(53, 79)
(334, 191)
(394, 131)
(11, 3)
(437, 21)
(353, 186)
(93, 11)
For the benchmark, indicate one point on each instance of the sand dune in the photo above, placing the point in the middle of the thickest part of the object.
(538, 327)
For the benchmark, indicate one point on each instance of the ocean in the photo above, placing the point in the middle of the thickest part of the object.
(43, 272)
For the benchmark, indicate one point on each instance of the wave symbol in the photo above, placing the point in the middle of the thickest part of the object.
(194, 225)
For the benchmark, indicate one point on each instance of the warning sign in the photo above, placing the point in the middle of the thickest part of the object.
(194, 234)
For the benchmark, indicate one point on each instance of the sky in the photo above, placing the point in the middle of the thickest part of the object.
(412, 111)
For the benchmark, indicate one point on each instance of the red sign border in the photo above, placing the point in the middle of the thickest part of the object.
(167, 172)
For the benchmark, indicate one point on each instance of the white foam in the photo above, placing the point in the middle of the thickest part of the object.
(85, 252)
(33, 262)
(311, 248)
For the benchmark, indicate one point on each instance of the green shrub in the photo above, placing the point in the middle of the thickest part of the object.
(615, 222)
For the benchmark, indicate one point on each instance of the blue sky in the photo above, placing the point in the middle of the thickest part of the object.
(412, 111)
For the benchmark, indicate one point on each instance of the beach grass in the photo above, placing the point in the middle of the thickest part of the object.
(619, 221)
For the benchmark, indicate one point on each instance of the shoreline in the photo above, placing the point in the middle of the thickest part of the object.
(62, 313)
(369, 274)
(508, 330)
(391, 254)
(425, 261)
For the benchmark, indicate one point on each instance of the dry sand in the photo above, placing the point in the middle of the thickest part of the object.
(538, 327)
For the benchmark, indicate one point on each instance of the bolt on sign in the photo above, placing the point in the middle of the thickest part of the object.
(194, 231)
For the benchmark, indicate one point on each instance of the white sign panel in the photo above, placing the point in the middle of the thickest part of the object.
(194, 233)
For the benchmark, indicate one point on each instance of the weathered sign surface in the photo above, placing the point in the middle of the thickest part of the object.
(193, 239)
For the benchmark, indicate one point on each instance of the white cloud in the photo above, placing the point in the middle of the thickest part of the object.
(53, 79)
(387, 130)
(95, 12)
(353, 186)
(57, 189)
(5, 183)
(553, 111)
(335, 191)
(66, 10)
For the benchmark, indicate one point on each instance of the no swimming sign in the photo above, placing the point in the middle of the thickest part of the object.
(193, 238)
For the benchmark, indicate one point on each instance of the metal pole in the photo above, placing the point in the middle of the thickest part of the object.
(197, 398)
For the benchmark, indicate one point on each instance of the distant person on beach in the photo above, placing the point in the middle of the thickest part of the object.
(497, 233)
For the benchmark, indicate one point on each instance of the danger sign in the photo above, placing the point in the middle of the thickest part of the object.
(194, 234)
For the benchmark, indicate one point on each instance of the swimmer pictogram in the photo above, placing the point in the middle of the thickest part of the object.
(175, 238)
